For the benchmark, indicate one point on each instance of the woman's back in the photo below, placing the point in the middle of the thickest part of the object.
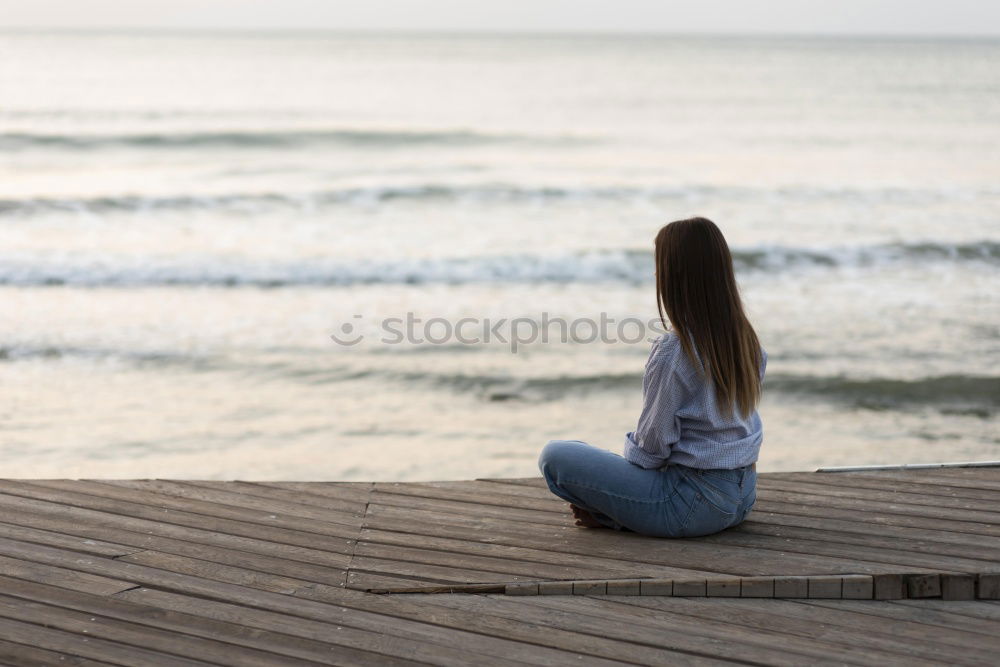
(682, 422)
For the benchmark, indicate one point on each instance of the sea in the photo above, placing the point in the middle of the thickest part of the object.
(387, 257)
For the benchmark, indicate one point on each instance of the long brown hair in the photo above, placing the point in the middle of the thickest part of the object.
(696, 289)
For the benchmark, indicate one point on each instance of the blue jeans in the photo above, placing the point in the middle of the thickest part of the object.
(672, 501)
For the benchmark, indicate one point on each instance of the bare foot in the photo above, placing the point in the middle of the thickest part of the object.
(584, 518)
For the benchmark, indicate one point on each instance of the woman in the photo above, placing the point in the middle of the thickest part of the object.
(688, 468)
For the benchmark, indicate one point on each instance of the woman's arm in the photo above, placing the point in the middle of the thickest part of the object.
(662, 395)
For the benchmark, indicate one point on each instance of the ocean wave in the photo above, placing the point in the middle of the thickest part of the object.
(358, 196)
(974, 395)
(780, 257)
(962, 394)
(598, 266)
(21, 353)
(485, 193)
(290, 138)
(978, 395)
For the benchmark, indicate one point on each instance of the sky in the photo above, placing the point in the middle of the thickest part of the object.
(885, 17)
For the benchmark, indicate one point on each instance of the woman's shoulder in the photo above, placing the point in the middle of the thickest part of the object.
(664, 350)
(666, 342)
(668, 353)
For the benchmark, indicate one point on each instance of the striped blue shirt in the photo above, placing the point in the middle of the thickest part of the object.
(680, 420)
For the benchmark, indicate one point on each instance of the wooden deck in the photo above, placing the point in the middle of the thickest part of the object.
(151, 572)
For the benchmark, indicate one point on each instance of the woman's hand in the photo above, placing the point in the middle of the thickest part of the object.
(584, 519)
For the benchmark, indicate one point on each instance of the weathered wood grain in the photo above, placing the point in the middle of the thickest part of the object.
(199, 572)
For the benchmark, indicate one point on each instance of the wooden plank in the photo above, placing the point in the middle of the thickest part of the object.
(916, 623)
(141, 534)
(528, 588)
(791, 586)
(280, 531)
(333, 572)
(354, 505)
(489, 530)
(990, 473)
(860, 551)
(626, 643)
(907, 497)
(930, 491)
(361, 580)
(23, 655)
(383, 647)
(736, 554)
(846, 519)
(215, 571)
(657, 586)
(478, 496)
(867, 547)
(757, 587)
(988, 585)
(528, 632)
(379, 583)
(723, 587)
(899, 639)
(232, 630)
(590, 587)
(501, 490)
(826, 587)
(889, 586)
(689, 587)
(972, 608)
(346, 491)
(534, 482)
(936, 477)
(940, 624)
(284, 569)
(434, 573)
(852, 627)
(958, 586)
(485, 543)
(897, 540)
(199, 500)
(922, 585)
(967, 519)
(624, 587)
(556, 541)
(555, 588)
(466, 559)
(860, 515)
(216, 494)
(57, 576)
(417, 503)
(211, 571)
(56, 539)
(92, 625)
(94, 648)
(641, 626)
(479, 528)
(858, 587)
(894, 495)
(348, 609)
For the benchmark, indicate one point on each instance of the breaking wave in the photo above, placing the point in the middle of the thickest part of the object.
(958, 394)
(598, 266)
(489, 193)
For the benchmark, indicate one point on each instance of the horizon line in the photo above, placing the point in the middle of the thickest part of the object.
(480, 32)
